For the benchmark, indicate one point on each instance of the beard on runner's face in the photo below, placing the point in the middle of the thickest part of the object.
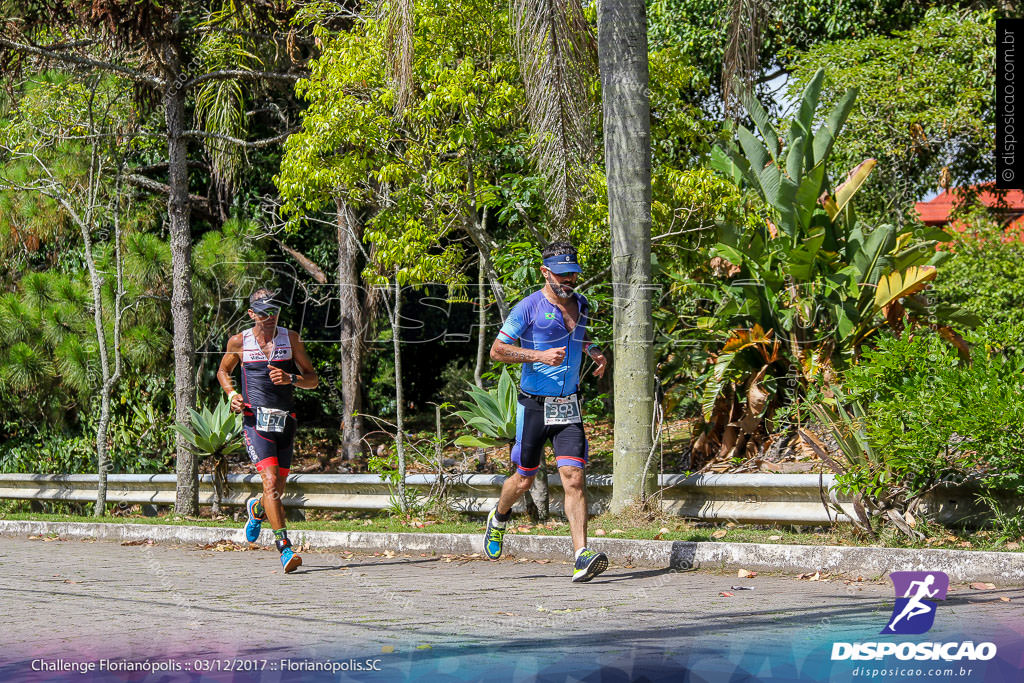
(562, 290)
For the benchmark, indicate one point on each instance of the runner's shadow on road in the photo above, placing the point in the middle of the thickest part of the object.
(614, 576)
(358, 565)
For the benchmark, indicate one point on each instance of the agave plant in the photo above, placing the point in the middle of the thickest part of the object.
(491, 412)
(214, 434)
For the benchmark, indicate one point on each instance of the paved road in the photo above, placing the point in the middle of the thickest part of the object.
(88, 600)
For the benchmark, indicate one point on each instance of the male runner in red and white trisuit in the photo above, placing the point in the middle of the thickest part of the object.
(274, 362)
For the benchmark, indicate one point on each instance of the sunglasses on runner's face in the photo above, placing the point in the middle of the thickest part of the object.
(268, 313)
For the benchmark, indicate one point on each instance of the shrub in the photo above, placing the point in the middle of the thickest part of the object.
(933, 417)
(984, 276)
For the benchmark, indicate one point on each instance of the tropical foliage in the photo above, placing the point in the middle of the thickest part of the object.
(789, 271)
(809, 285)
(926, 108)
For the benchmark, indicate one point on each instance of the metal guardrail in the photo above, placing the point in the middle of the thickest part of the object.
(743, 498)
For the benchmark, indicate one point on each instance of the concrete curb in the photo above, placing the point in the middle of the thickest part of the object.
(1006, 569)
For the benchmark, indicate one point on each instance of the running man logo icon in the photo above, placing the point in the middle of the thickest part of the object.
(914, 611)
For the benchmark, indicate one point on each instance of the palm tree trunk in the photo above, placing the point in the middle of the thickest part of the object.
(187, 490)
(622, 53)
(351, 311)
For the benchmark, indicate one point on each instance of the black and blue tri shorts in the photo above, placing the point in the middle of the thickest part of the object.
(532, 435)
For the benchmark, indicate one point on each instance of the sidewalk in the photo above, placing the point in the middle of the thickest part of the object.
(962, 566)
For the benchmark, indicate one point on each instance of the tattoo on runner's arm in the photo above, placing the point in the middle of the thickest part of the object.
(506, 353)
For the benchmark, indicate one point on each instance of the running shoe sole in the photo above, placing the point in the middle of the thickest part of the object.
(598, 565)
(293, 564)
(254, 523)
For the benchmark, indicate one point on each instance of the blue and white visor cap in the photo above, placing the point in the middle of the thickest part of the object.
(266, 305)
(562, 264)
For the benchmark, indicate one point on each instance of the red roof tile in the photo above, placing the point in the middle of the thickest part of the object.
(937, 210)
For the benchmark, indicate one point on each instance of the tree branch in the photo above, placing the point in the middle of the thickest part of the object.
(154, 186)
(227, 74)
(85, 61)
(307, 265)
(266, 142)
(781, 71)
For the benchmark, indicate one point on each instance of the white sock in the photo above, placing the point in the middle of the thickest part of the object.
(580, 552)
(495, 522)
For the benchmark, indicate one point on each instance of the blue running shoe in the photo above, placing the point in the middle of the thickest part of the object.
(588, 565)
(252, 527)
(493, 538)
(289, 560)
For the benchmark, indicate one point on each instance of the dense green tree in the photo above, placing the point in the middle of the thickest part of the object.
(925, 111)
(415, 182)
(160, 48)
(778, 30)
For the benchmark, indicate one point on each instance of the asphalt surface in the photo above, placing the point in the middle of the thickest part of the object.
(88, 599)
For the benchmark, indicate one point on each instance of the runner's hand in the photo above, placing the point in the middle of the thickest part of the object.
(602, 364)
(279, 376)
(237, 403)
(552, 356)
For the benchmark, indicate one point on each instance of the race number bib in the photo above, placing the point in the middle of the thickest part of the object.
(561, 410)
(270, 419)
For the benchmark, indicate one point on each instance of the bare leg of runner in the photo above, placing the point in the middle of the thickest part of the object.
(575, 504)
(273, 487)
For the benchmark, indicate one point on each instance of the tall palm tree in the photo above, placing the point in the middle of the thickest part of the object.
(622, 50)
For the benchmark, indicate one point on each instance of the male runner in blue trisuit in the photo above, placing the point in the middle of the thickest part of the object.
(274, 362)
(551, 328)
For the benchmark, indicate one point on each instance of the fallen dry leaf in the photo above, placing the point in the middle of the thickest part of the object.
(744, 574)
(618, 531)
(775, 538)
(719, 534)
(599, 532)
(1012, 546)
(725, 594)
(663, 530)
(1004, 598)
(387, 649)
(980, 586)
